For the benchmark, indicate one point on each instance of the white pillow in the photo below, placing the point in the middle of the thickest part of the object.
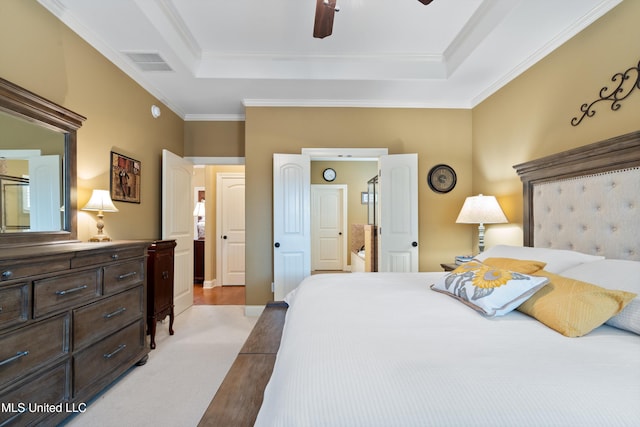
(489, 290)
(557, 260)
(615, 274)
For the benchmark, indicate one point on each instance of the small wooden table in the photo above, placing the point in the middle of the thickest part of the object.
(449, 266)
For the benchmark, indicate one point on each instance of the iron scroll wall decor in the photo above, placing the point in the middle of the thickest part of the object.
(615, 96)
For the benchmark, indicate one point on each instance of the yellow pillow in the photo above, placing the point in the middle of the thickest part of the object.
(572, 307)
(524, 266)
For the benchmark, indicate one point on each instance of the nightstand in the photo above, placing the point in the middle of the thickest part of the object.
(449, 266)
(159, 286)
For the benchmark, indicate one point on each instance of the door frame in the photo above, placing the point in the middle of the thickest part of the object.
(345, 216)
(219, 206)
(213, 161)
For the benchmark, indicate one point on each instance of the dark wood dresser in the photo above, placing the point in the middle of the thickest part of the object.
(198, 261)
(160, 285)
(72, 319)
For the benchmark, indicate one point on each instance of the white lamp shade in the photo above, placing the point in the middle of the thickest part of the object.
(100, 201)
(199, 210)
(481, 210)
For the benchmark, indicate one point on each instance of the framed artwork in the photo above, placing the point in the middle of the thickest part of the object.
(364, 197)
(125, 178)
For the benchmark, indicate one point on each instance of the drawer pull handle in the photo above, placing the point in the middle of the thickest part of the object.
(14, 358)
(126, 276)
(6, 275)
(115, 313)
(165, 275)
(72, 290)
(114, 352)
(114, 257)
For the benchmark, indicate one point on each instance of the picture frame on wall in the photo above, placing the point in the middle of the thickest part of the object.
(126, 174)
(364, 197)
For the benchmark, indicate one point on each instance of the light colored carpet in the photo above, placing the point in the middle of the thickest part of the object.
(182, 375)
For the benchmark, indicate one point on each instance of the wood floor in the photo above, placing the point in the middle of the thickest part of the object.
(220, 295)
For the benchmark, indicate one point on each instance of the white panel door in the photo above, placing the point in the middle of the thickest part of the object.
(232, 227)
(177, 224)
(291, 222)
(327, 227)
(44, 193)
(398, 196)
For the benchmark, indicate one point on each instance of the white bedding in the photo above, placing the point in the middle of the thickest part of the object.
(382, 349)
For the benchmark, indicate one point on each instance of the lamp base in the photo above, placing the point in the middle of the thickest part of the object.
(100, 238)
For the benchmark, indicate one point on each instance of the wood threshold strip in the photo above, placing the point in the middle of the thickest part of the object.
(240, 395)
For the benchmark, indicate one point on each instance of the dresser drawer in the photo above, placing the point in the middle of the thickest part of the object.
(14, 305)
(106, 316)
(17, 269)
(93, 258)
(66, 291)
(26, 349)
(49, 387)
(123, 275)
(107, 355)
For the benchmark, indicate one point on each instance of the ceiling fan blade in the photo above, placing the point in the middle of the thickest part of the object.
(323, 25)
(425, 2)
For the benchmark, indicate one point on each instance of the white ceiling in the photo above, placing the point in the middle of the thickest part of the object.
(225, 55)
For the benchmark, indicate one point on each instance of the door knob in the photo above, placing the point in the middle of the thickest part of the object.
(414, 244)
(277, 245)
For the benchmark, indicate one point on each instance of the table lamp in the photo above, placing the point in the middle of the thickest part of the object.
(100, 201)
(481, 210)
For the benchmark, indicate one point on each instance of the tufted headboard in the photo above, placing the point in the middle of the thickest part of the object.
(585, 199)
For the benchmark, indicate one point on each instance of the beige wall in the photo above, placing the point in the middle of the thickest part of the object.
(438, 136)
(42, 55)
(530, 117)
(214, 139)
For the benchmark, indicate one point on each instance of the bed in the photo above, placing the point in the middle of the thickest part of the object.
(414, 349)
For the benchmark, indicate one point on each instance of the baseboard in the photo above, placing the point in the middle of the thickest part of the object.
(253, 310)
(209, 284)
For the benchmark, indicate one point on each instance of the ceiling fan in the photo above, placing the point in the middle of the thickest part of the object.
(325, 11)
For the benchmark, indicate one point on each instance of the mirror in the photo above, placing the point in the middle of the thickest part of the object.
(37, 168)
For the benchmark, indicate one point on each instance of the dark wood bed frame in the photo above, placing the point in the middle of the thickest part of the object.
(239, 398)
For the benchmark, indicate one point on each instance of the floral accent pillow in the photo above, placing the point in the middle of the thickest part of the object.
(489, 290)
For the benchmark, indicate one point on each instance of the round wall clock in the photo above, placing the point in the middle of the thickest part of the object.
(329, 174)
(442, 178)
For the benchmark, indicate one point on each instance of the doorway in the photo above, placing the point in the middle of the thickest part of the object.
(291, 213)
(210, 292)
(328, 227)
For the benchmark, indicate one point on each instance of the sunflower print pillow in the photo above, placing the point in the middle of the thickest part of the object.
(489, 290)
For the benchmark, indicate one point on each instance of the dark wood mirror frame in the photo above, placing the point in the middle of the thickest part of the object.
(21, 103)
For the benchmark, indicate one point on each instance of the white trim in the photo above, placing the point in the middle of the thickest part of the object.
(345, 153)
(357, 103)
(210, 284)
(253, 310)
(214, 118)
(216, 160)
